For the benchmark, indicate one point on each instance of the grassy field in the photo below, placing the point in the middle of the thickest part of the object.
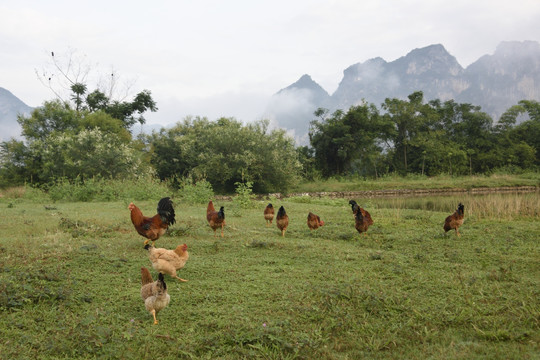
(70, 282)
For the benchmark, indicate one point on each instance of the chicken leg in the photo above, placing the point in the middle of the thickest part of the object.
(147, 241)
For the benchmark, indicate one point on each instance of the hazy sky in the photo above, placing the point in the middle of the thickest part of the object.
(226, 58)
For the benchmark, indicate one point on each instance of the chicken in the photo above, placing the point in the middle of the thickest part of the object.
(455, 220)
(282, 220)
(153, 227)
(168, 261)
(215, 218)
(154, 293)
(269, 214)
(354, 207)
(314, 221)
(362, 218)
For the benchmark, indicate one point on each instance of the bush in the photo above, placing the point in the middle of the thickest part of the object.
(225, 152)
(76, 190)
(144, 188)
(97, 189)
(199, 192)
(244, 194)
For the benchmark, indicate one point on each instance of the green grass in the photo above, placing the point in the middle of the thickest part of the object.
(70, 282)
(442, 182)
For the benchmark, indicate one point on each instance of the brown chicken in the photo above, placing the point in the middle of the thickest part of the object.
(168, 261)
(153, 227)
(216, 219)
(269, 214)
(314, 221)
(282, 220)
(455, 220)
(154, 293)
(362, 218)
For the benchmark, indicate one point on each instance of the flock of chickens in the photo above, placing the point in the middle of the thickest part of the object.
(154, 293)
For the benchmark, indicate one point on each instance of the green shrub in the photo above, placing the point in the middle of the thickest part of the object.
(244, 194)
(144, 188)
(199, 192)
(97, 189)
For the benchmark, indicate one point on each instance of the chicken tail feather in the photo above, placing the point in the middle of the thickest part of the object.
(161, 281)
(165, 210)
(221, 213)
(146, 277)
(210, 207)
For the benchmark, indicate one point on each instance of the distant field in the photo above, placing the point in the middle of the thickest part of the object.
(421, 182)
(70, 282)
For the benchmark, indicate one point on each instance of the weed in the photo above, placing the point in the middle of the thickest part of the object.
(260, 244)
(244, 194)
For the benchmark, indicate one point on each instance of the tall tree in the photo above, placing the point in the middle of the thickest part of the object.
(525, 137)
(349, 142)
(53, 130)
(407, 117)
(333, 143)
(67, 76)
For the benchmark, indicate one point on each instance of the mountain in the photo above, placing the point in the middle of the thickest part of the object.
(10, 107)
(294, 106)
(494, 82)
(499, 81)
(431, 69)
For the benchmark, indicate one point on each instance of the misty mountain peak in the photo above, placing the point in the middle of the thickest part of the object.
(429, 51)
(518, 48)
(10, 107)
(510, 57)
(305, 79)
(290, 107)
(365, 69)
(430, 59)
(307, 83)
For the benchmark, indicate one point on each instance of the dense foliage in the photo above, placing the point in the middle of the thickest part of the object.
(225, 152)
(89, 138)
(348, 142)
(410, 136)
(61, 142)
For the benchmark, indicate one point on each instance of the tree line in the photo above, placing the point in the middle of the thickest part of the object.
(89, 136)
(411, 136)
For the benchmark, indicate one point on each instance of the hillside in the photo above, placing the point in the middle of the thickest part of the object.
(294, 105)
(493, 82)
(10, 107)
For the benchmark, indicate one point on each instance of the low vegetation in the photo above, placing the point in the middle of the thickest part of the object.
(70, 281)
(415, 182)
